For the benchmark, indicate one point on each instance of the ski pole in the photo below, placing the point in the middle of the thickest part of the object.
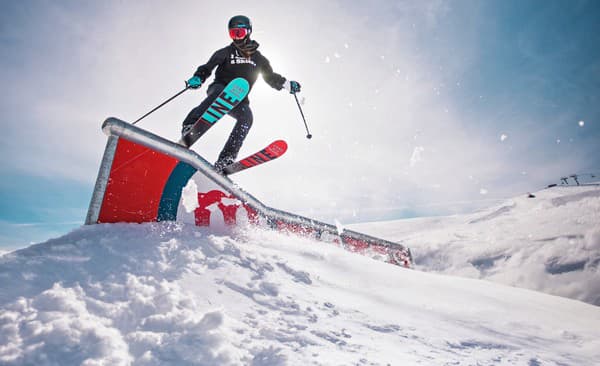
(308, 135)
(163, 103)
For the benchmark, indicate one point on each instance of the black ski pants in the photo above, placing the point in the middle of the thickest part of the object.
(241, 113)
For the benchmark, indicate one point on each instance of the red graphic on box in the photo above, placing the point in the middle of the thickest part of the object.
(229, 211)
(137, 178)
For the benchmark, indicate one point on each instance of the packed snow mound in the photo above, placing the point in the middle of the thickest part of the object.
(176, 294)
(549, 242)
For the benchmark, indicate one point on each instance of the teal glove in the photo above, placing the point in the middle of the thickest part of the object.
(194, 82)
(295, 87)
(292, 86)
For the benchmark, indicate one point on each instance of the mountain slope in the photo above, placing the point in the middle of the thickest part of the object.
(549, 243)
(175, 294)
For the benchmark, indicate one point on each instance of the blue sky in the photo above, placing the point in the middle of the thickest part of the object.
(417, 107)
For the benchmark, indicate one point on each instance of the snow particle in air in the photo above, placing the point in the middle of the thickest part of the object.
(416, 155)
(581, 123)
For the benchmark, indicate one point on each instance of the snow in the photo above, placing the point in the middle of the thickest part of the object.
(189, 196)
(548, 243)
(176, 294)
(416, 156)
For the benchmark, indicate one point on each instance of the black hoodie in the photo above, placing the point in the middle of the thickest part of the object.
(231, 63)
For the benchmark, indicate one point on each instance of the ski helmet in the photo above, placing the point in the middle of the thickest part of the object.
(240, 27)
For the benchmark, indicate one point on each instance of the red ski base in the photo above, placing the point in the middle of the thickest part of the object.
(269, 153)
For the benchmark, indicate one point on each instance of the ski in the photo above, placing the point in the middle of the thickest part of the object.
(271, 152)
(231, 96)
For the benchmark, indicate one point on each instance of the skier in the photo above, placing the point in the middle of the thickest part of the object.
(239, 59)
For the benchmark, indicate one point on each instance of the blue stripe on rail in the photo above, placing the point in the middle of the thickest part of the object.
(169, 202)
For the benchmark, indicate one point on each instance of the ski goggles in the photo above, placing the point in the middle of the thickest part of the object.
(238, 33)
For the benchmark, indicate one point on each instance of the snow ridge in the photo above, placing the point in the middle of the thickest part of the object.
(176, 294)
(549, 242)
